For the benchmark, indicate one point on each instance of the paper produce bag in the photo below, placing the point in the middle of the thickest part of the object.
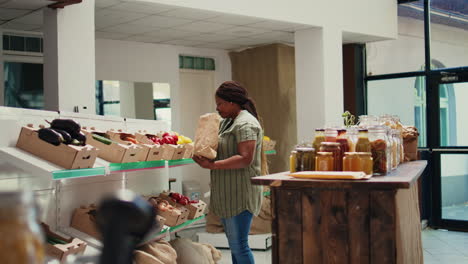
(410, 142)
(206, 136)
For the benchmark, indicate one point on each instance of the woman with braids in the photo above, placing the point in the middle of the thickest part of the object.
(240, 157)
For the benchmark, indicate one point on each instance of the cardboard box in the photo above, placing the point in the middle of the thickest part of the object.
(188, 154)
(269, 145)
(168, 151)
(84, 221)
(196, 209)
(179, 152)
(66, 156)
(73, 246)
(142, 138)
(115, 152)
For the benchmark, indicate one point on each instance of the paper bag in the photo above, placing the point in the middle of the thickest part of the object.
(206, 136)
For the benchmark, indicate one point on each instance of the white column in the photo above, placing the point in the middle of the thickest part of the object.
(144, 108)
(319, 81)
(69, 58)
(127, 99)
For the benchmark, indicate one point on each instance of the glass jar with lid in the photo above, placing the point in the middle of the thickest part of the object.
(366, 121)
(292, 161)
(352, 134)
(343, 140)
(330, 135)
(363, 143)
(395, 135)
(334, 148)
(319, 138)
(21, 238)
(351, 161)
(366, 161)
(324, 161)
(305, 159)
(381, 150)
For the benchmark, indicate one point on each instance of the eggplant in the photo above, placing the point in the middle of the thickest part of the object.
(69, 125)
(79, 136)
(67, 139)
(50, 136)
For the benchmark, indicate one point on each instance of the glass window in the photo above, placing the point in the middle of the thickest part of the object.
(449, 32)
(404, 54)
(408, 101)
(454, 172)
(23, 85)
(108, 98)
(453, 113)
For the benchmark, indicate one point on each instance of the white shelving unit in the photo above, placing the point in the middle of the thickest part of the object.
(60, 191)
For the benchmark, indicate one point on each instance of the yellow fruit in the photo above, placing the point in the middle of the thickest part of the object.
(266, 138)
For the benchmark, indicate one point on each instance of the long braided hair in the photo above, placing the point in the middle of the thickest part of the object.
(232, 91)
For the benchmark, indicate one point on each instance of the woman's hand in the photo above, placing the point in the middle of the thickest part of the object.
(204, 162)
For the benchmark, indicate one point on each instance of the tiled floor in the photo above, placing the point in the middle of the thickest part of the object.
(439, 246)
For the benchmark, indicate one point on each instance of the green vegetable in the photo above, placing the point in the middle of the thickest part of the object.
(102, 139)
(54, 241)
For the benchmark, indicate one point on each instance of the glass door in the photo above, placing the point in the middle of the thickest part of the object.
(449, 144)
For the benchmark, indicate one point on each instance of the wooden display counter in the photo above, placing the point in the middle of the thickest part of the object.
(347, 221)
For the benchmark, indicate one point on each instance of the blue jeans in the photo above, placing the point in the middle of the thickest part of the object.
(237, 230)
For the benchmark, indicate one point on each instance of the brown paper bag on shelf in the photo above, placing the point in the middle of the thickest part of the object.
(157, 252)
(410, 142)
(206, 136)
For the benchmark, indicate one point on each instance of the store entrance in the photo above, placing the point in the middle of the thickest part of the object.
(448, 140)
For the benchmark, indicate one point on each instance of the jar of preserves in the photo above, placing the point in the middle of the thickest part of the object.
(324, 161)
(292, 161)
(394, 139)
(343, 140)
(305, 159)
(363, 143)
(319, 138)
(330, 135)
(381, 150)
(334, 148)
(351, 162)
(352, 134)
(22, 240)
(366, 162)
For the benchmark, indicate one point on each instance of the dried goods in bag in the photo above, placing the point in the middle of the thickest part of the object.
(206, 136)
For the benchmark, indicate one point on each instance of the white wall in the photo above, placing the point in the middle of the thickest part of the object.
(143, 62)
(127, 99)
(370, 17)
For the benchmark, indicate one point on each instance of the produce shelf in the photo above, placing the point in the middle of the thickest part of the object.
(67, 174)
(180, 162)
(171, 229)
(270, 152)
(134, 166)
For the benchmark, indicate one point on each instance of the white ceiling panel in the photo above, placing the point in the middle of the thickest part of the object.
(202, 26)
(25, 4)
(226, 46)
(35, 18)
(172, 33)
(107, 17)
(189, 13)
(111, 35)
(142, 7)
(8, 13)
(234, 20)
(129, 29)
(247, 41)
(242, 31)
(210, 37)
(274, 25)
(19, 26)
(146, 38)
(161, 21)
(183, 42)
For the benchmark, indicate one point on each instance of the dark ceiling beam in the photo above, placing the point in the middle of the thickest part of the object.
(63, 3)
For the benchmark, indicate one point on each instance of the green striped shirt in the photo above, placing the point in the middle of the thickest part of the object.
(231, 189)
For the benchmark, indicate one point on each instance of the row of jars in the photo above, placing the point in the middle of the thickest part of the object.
(384, 145)
(329, 159)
